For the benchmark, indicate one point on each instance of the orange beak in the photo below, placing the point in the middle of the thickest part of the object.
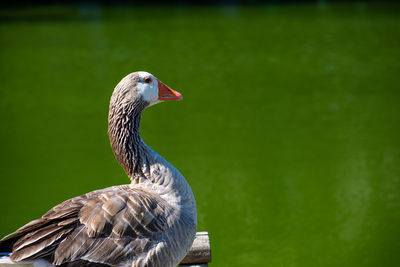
(166, 93)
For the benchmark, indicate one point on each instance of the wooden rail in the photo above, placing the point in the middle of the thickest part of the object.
(199, 254)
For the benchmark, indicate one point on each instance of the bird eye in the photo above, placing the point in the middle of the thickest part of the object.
(148, 80)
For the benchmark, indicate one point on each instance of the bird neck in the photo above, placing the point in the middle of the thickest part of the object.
(126, 143)
(140, 162)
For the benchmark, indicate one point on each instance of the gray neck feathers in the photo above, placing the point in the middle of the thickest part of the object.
(124, 128)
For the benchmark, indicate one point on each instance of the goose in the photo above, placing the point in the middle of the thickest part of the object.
(150, 222)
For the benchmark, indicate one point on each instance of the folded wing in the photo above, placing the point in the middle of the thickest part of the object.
(109, 226)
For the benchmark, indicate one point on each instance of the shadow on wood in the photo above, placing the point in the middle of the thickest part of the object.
(199, 254)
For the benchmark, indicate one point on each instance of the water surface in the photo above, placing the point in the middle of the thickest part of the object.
(288, 132)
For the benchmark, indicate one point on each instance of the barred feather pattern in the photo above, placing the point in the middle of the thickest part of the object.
(124, 125)
(117, 226)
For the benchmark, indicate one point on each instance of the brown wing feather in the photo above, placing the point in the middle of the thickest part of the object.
(107, 226)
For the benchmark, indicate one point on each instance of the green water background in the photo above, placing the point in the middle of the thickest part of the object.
(288, 132)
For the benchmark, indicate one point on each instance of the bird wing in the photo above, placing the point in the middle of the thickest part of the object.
(109, 226)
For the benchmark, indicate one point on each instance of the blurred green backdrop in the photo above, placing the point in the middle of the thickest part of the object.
(288, 132)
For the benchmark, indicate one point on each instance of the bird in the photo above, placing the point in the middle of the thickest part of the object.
(150, 222)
